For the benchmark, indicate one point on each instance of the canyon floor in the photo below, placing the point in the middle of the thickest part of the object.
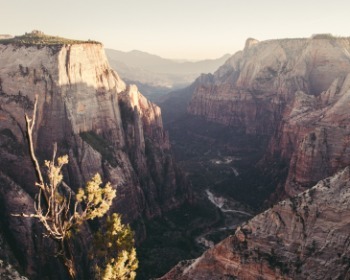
(227, 190)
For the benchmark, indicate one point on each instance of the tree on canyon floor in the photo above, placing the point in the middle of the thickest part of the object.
(61, 215)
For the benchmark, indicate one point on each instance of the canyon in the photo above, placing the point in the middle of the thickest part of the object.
(291, 97)
(292, 92)
(104, 125)
(305, 237)
(261, 134)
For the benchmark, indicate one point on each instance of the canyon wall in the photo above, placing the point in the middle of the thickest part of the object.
(103, 125)
(306, 237)
(295, 92)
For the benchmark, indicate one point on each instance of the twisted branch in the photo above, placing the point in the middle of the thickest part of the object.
(54, 211)
(30, 123)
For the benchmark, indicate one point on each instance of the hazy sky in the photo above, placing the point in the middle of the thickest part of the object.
(191, 29)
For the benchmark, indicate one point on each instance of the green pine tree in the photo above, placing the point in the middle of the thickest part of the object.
(115, 251)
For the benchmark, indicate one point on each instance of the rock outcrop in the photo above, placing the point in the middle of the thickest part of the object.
(293, 91)
(103, 125)
(305, 237)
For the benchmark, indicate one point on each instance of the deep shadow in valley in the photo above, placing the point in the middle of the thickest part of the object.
(171, 238)
(223, 159)
(219, 161)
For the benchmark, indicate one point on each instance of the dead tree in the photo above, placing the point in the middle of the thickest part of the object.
(56, 211)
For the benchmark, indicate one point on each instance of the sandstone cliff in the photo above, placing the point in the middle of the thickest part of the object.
(103, 125)
(306, 237)
(293, 91)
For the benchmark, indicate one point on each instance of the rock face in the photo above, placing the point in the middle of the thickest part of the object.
(306, 237)
(103, 125)
(294, 91)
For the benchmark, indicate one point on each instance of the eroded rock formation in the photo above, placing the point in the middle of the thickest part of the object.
(103, 125)
(306, 237)
(295, 92)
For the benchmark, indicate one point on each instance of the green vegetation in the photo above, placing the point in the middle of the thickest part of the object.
(61, 213)
(113, 252)
(127, 113)
(100, 145)
(114, 246)
(8, 141)
(203, 148)
(275, 261)
(38, 38)
(171, 238)
(311, 248)
(326, 36)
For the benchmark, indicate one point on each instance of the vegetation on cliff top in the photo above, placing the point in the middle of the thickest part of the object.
(38, 38)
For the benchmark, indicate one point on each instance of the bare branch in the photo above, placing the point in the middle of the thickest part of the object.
(54, 211)
(30, 123)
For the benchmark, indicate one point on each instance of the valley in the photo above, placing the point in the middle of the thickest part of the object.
(174, 140)
(156, 76)
(264, 127)
(228, 189)
(241, 174)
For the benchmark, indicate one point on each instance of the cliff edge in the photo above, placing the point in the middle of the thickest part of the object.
(104, 126)
(294, 92)
(305, 237)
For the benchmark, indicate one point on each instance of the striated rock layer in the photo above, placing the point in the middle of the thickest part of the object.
(306, 237)
(103, 125)
(294, 91)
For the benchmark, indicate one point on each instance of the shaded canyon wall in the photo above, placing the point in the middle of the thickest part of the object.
(104, 126)
(293, 91)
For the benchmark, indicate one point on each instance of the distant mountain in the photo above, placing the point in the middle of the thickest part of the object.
(155, 71)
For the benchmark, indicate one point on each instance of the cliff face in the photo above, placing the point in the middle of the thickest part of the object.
(296, 92)
(306, 237)
(103, 125)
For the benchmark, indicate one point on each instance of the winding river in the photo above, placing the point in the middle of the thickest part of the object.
(234, 213)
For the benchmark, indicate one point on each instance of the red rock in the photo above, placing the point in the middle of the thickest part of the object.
(103, 125)
(305, 237)
(294, 91)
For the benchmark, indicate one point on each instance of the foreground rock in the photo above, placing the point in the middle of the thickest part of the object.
(103, 125)
(306, 237)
